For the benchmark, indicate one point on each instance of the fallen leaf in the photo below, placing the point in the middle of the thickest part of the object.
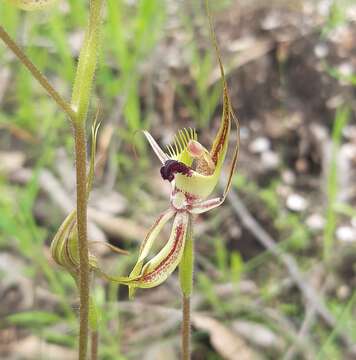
(33, 347)
(11, 161)
(229, 345)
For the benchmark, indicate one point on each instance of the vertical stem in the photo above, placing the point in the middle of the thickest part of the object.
(186, 328)
(186, 283)
(87, 61)
(80, 103)
(94, 345)
(80, 156)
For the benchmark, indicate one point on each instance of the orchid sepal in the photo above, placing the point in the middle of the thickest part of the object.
(147, 245)
(165, 262)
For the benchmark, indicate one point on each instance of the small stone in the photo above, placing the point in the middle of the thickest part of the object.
(346, 69)
(346, 234)
(343, 292)
(296, 202)
(315, 222)
(353, 221)
(244, 133)
(349, 132)
(259, 145)
(321, 50)
(270, 160)
(288, 177)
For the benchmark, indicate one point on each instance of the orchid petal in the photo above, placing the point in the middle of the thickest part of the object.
(147, 244)
(162, 156)
(164, 263)
(207, 205)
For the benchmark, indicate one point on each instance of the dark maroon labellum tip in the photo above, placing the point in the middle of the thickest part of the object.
(172, 167)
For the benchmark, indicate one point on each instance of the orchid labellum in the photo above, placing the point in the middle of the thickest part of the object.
(193, 172)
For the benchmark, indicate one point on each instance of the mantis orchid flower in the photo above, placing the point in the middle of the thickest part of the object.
(193, 172)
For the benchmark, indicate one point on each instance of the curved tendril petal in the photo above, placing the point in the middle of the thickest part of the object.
(202, 185)
(147, 244)
(162, 156)
(164, 263)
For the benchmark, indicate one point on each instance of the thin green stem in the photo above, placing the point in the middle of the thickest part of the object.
(80, 102)
(80, 156)
(63, 104)
(87, 62)
(186, 282)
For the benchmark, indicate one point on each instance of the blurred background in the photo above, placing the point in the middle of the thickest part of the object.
(275, 270)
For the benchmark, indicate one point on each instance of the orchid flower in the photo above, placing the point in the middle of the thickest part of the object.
(193, 172)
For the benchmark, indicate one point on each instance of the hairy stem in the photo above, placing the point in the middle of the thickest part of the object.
(186, 329)
(80, 103)
(87, 62)
(186, 283)
(94, 345)
(80, 155)
(63, 104)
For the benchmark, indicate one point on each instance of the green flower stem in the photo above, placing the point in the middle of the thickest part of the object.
(77, 112)
(186, 283)
(63, 104)
(80, 156)
(87, 62)
(80, 103)
(94, 329)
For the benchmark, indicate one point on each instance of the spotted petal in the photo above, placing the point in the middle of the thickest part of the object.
(164, 263)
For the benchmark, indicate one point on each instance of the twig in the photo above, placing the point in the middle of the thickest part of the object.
(309, 319)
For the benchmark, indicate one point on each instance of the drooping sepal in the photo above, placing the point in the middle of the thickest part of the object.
(165, 262)
(147, 245)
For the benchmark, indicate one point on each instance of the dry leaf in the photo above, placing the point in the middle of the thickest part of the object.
(229, 345)
(33, 347)
(258, 334)
(11, 161)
